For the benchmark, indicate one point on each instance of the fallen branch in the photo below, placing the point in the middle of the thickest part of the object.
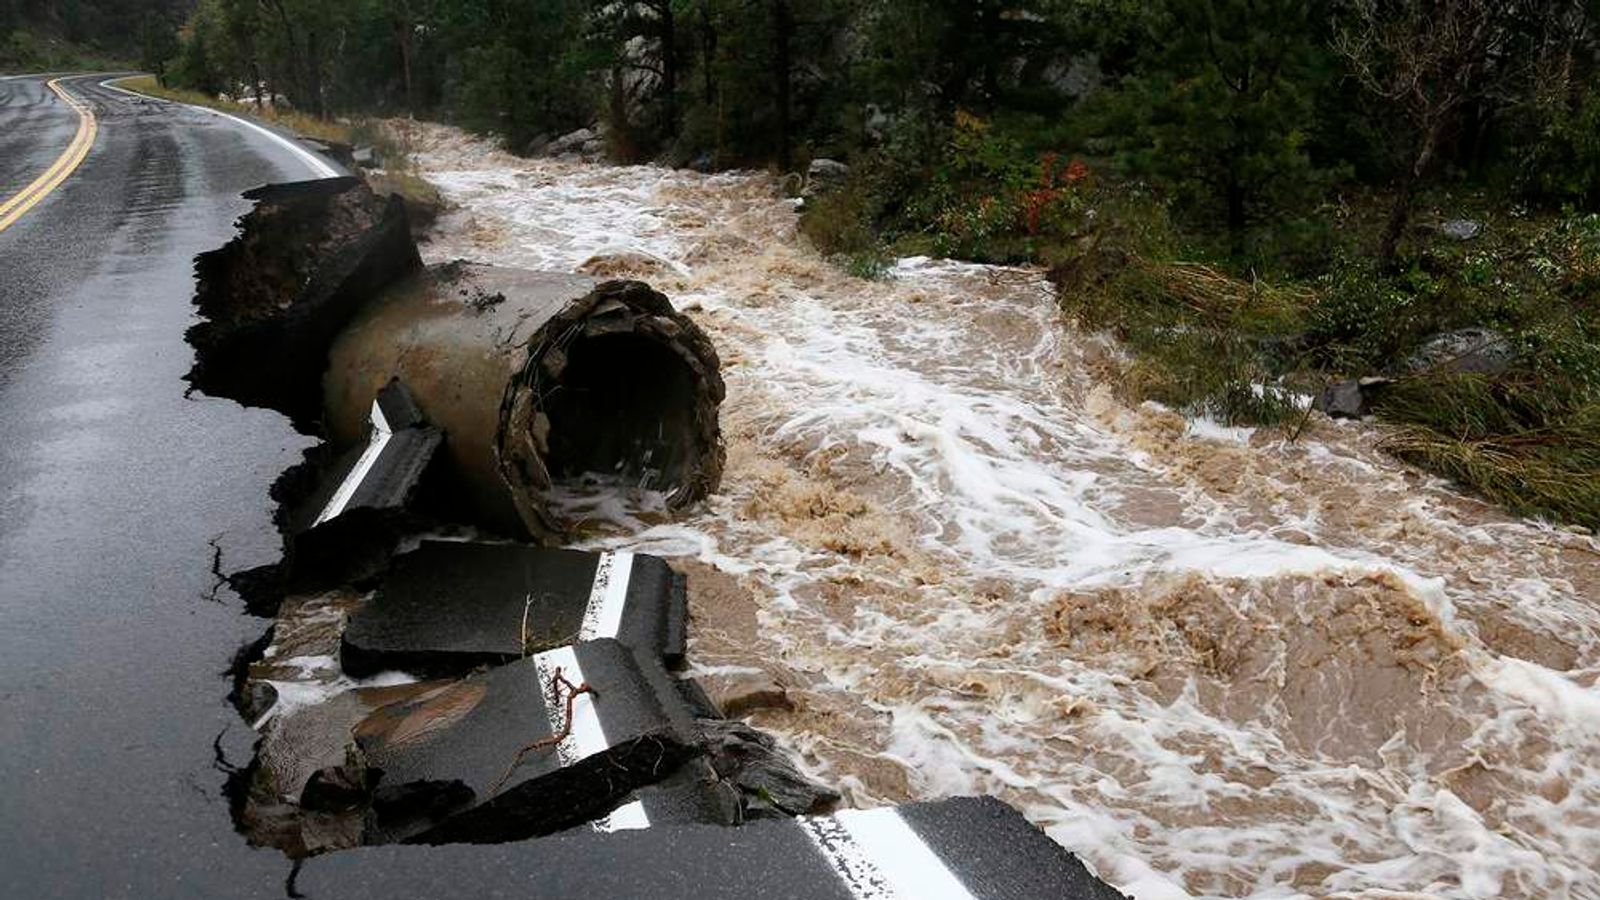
(557, 682)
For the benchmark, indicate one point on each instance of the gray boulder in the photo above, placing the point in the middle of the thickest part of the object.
(571, 144)
(1351, 398)
(1476, 350)
(1461, 229)
(826, 170)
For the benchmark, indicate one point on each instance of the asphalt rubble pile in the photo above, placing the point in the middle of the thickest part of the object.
(438, 670)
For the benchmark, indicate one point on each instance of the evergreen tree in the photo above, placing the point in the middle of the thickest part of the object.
(1222, 105)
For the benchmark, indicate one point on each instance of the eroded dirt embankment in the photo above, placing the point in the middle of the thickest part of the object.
(1209, 660)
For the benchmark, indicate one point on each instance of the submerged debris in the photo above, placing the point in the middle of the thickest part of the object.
(769, 784)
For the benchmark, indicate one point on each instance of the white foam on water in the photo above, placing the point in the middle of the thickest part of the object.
(1212, 430)
(1209, 660)
(320, 683)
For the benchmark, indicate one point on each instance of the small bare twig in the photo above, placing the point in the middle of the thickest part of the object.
(527, 603)
(557, 682)
(1304, 421)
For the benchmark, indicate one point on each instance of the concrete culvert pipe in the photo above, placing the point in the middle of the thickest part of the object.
(537, 379)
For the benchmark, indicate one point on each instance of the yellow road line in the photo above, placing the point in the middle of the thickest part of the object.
(28, 197)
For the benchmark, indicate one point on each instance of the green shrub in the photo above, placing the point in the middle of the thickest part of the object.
(839, 222)
(1562, 162)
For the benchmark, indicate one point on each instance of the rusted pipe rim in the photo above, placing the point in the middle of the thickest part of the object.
(601, 375)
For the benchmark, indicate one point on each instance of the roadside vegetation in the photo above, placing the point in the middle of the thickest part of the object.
(87, 35)
(1261, 203)
(299, 122)
(1258, 199)
(28, 50)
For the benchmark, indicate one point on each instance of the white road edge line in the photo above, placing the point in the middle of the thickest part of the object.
(602, 618)
(381, 432)
(320, 168)
(879, 856)
(586, 736)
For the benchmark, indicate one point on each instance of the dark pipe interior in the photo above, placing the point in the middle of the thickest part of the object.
(624, 409)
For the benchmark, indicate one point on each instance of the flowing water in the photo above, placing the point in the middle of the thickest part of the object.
(1210, 661)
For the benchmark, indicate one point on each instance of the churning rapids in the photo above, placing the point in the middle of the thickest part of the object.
(1209, 661)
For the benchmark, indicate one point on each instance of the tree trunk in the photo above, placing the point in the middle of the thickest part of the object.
(989, 19)
(1400, 213)
(296, 70)
(708, 52)
(782, 31)
(1234, 192)
(621, 136)
(669, 69)
(314, 73)
(402, 29)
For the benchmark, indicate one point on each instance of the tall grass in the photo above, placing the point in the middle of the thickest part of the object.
(1520, 445)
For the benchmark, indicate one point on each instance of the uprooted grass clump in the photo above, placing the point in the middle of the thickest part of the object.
(1528, 446)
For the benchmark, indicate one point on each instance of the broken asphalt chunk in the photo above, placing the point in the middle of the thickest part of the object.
(968, 847)
(449, 606)
(769, 784)
(695, 794)
(301, 792)
(364, 503)
(526, 749)
(272, 299)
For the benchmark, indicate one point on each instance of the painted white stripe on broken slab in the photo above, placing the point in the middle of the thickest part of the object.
(879, 856)
(586, 736)
(627, 817)
(602, 618)
(381, 432)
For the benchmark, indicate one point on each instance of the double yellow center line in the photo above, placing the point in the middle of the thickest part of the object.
(28, 197)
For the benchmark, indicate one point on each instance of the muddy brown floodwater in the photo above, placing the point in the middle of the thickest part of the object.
(1208, 660)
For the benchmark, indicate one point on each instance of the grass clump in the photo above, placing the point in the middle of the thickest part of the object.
(424, 203)
(1513, 440)
(1205, 343)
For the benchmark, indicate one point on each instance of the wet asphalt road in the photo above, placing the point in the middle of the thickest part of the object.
(113, 487)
